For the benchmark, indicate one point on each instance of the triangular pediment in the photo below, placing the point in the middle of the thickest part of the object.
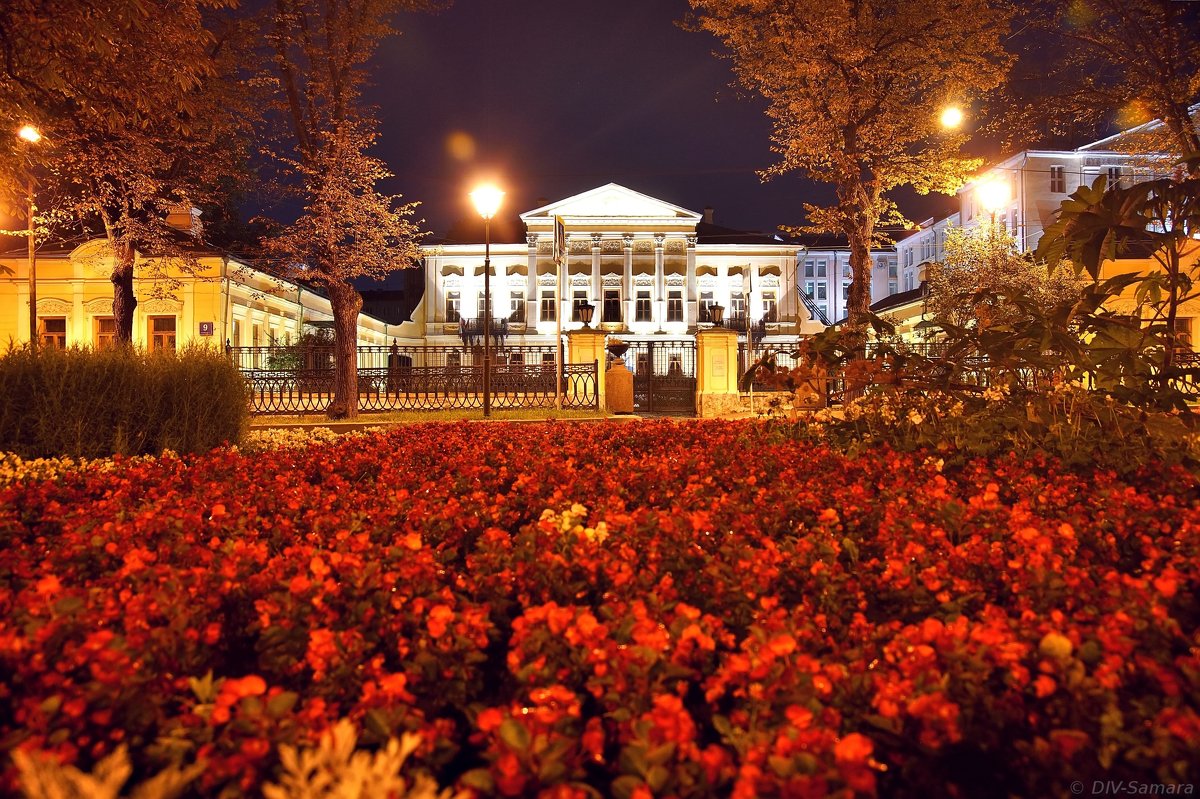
(614, 202)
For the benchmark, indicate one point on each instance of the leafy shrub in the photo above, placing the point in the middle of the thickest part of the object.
(86, 403)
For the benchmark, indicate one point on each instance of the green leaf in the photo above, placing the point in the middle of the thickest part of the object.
(514, 735)
(623, 787)
(480, 779)
(203, 688)
(661, 754)
(377, 724)
(281, 704)
(657, 778)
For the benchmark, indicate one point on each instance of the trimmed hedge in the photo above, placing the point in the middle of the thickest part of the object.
(89, 403)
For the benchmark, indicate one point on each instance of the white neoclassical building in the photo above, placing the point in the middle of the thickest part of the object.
(647, 267)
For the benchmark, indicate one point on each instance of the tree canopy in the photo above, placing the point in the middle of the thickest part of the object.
(854, 89)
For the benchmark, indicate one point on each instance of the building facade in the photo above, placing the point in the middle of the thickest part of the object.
(216, 300)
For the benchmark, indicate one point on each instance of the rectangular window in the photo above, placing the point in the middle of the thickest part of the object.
(162, 333)
(237, 333)
(1058, 179)
(810, 288)
(674, 306)
(822, 292)
(516, 306)
(549, 311)
(580, 300)
(106, 332)
(480, 310)
(53, 331)
(737, 307)
(516, 359)
(454, 358)
(808, 269)
(706, 302)
(453, 303)
(1113, 173)
(893, 286)
(845, 292)
(612, 305)
(641, 311)
(770, 307)
(892, 268)
(821, 267)
(1182, 333)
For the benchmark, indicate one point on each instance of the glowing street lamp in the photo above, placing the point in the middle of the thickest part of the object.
(952, 116)
(993, 195)
(31, 135)
(487, 200)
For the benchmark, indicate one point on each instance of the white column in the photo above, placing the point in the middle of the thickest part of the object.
(627, 280)
(660, 282)
(691, 308)
(596, 298)
(532, 306)
(754, 300)
(434, 303)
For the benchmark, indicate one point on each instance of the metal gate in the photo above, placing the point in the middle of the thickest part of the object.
(664, 375)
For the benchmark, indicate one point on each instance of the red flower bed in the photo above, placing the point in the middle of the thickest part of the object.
(735, 615)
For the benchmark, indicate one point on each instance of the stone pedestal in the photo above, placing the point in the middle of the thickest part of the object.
(587, 346)
(618, 388)
(716, 373)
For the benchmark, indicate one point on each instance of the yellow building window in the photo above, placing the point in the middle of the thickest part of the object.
(105, 332)
(162, 333)
(52, 330)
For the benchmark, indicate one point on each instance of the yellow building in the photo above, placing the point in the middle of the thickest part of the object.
(218, 300)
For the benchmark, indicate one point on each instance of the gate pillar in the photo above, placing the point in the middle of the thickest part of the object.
(587, 346)
(717, 372)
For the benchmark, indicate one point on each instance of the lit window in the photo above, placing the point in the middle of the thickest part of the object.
(453, 303)
(612, 305)
(641, 311)
(1058, 179)
(770, 307)
(675, 306)
(106, 332)
(580, 300)
(53, 331)
(516, 306)
(549, 310)
(706, 303)
(162, 333)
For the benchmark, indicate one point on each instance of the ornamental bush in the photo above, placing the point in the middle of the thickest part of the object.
(688, 610)
(88, 403)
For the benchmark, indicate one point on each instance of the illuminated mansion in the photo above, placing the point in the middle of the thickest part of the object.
(645, 267)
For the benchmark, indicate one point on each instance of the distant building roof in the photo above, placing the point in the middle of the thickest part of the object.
(902, 298)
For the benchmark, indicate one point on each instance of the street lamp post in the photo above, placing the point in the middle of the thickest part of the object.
(31, 135)
(487, 201)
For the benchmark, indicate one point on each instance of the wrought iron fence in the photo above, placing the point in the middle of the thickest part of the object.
(414, 378)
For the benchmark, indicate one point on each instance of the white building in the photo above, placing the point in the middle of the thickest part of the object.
(648, 267)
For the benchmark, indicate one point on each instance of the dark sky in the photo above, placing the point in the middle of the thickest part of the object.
(551, 98)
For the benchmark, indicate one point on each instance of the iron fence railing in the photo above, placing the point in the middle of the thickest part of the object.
(425, 388)
(307, 357)
(301, 379)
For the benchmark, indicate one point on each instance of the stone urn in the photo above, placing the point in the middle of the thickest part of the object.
(617, 349)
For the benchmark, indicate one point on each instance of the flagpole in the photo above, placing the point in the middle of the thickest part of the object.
(559, 257)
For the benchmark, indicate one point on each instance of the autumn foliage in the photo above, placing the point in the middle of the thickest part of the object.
(636, 610)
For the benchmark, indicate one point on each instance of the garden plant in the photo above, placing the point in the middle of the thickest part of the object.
(648, 610)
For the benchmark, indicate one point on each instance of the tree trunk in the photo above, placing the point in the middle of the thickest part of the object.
(346, 303)
(858, 304)
(124, 301)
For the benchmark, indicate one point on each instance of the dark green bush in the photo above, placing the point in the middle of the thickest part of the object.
(86, 403)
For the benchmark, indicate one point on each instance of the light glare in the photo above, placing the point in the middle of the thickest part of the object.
(993, 195)
(952, 117)
(30, 134)
(487, 200)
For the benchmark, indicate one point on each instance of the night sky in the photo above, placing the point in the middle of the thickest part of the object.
(551, 98)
